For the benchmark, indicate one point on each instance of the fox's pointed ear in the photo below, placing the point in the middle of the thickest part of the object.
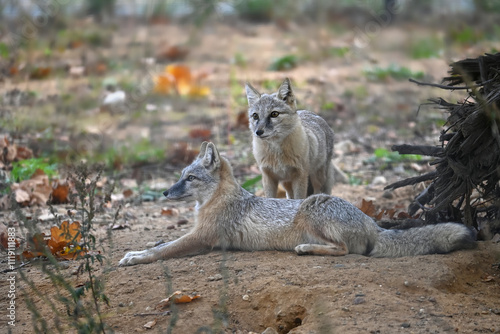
(285, 93)
(252, 94)
(211, 158)
(203, 148)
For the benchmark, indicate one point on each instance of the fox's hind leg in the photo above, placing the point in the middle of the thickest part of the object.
(334, 249)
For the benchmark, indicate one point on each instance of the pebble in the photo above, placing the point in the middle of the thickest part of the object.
(388, 194)
(379, 180)
(358, 300)
(246, 297)
(405, 325)
(270, 330)
(216, 277)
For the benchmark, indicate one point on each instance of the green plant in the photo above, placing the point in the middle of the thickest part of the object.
(24, 169)
(240, 60)
(426, 48)
(393, 71)
(465, 35)
(4, 50)
(249, 184)
(339, 51)
(286, 62)
(255, 10)
(390, 156)
(76, 306)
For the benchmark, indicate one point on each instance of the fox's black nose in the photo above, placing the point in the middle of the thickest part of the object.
(259, 132)
(165, 193)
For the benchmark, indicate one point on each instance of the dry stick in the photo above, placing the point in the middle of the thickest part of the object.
(431, 151)
(412, 180)
(449, 87)
(148, 314)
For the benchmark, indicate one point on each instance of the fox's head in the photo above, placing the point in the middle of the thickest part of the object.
(272, 116)
(200, 180)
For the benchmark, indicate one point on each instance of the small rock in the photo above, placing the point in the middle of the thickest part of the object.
(171, 227)
(182, 222)
(146, 228)
(270, 330)
(388, 194)
(339, 266)
(406, 283)
(432, 299)
(64, 265)
(496, 238)
(345, 309)
(405, 325)
(379, 180)
(216, 277)
(246, 297)
(358, 300)
(121, 304)
(398, 293)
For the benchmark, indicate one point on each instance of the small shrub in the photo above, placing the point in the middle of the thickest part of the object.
(284, 63)
(24, 169)
(393, 71)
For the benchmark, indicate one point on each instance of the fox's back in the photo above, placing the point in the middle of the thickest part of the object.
(318, 132)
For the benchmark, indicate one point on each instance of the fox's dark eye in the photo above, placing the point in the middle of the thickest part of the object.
(255, 116)
(191, 177)
(275, 114)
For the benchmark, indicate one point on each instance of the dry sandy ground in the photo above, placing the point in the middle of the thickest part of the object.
(244, 292)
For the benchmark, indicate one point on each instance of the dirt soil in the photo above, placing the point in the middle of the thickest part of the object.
(243, 292)
(280, 292)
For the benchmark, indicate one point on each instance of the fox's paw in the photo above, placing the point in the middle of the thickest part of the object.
(131, 258)
(304, 249)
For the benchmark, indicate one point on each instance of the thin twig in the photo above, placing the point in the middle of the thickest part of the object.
(448, 87)
(18, 267)
(148, 314)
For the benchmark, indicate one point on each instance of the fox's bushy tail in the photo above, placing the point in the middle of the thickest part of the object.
(431, 239)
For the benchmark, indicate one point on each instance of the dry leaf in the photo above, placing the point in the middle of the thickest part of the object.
(150, 324)
(127, 193)
(178, 78)
(173, 53)
(181, 299)
(201, 134)
(60, 193)
(22, 197)
(172, 212)
(367, 207)
(177, 297)
(40, 73)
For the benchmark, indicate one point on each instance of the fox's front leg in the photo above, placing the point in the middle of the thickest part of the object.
(190, 244)
(270, 183)
(299, 186)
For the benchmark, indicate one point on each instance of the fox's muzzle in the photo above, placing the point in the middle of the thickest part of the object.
(165, 193)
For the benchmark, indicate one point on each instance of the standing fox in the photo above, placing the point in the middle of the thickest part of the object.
(291, 146)
(229, 217)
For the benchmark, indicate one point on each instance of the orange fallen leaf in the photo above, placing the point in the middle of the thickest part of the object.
(202, 134)
(367, 207)
(40, 73)
(60, 193)
(127, 193)
(184, 299)
(173, 212)
(164, 83)
(178, 298)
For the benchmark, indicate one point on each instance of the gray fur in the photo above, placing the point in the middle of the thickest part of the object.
(295, 147)
(229, 217)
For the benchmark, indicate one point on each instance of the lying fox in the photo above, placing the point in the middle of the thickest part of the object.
(229, 217)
